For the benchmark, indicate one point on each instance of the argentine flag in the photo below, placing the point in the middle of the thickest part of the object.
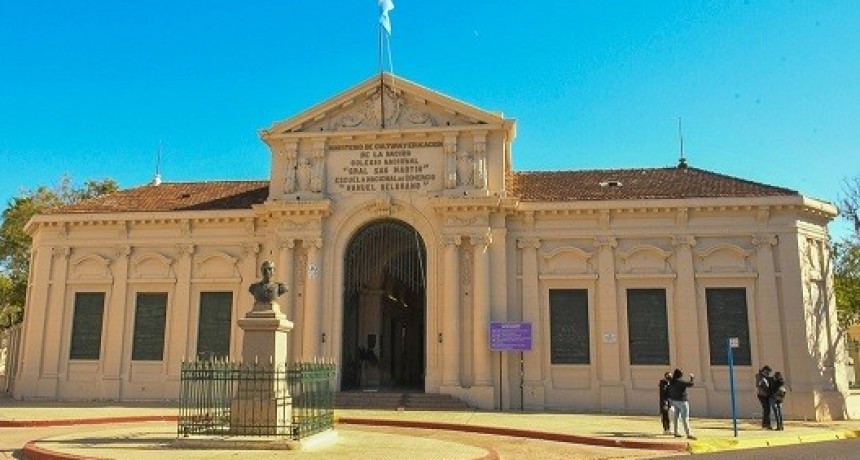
(384, 20)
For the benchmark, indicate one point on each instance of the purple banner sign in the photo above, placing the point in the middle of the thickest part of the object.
(510, 336)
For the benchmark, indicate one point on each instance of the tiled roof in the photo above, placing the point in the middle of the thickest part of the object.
(633, 184)
(176, 196)
(559, 186)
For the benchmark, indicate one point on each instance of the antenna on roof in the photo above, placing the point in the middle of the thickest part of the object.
(682, 161)
(156, 180)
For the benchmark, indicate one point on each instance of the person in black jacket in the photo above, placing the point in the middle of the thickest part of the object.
(777, 396)
(664, 401)
(763, 383)
(678, 397)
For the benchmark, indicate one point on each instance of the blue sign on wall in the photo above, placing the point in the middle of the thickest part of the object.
(510, 336)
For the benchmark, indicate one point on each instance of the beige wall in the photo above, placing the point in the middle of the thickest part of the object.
(487, 253)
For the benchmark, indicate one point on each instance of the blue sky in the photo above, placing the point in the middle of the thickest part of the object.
(767, 90)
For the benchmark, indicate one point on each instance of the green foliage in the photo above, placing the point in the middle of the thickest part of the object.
(15, 243)
(846, 280)
(846, 273)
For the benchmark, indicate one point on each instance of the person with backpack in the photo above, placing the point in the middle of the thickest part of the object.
(665, 404)
(763, 392)
(678, 397)
(777, 396)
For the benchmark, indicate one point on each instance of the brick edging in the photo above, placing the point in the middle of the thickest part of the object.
(86, 421)
(520, 433)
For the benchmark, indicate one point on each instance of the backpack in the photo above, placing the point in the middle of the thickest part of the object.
(780, 393)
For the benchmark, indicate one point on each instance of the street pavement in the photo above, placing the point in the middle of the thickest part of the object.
(148, 430)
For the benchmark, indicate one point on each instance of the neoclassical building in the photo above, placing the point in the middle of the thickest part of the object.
(394, 216)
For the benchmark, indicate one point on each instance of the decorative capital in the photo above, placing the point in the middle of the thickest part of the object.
(185, 249)
(308, 243)
(61, 251)
(481, 239)
(680, 241)
(765, 240)
(608, 242)
(287, 244)
(250, 248)
(452, 240)
(122, 251)
(528, 242)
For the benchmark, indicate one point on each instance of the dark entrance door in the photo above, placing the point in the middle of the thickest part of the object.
(384, 308)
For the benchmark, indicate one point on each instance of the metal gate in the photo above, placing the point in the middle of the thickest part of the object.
(384, 307)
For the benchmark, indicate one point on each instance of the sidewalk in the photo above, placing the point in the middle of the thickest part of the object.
(133, 422)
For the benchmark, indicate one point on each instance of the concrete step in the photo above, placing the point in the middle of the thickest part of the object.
(395, 400)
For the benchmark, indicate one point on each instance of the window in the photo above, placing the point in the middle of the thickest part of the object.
(568, 322)
(647, 326)
(87, 325)
(727, 318)
(213, 325)
(150, 314)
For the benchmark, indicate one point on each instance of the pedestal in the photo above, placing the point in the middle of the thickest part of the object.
(263, 404)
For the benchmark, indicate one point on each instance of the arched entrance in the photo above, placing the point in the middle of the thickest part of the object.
(384, 308)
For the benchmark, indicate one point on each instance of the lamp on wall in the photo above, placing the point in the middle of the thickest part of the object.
(440, 337)
(322, 337)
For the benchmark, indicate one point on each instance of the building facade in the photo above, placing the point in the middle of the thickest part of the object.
(396, 220)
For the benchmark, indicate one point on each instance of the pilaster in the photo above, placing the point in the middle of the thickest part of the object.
(313, 299)
(53, 327)
(608, 352)
(482, 315)
(688, 349)
(450, 335)
(533, 391)
(114, 332)
(768, 321)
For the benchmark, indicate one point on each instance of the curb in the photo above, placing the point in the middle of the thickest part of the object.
(520, 433)
(720, 445)
(86, 421)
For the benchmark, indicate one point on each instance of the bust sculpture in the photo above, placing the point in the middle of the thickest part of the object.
(266, 290)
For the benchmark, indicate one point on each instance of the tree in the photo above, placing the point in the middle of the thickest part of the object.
(15, 243)
(846, 273)
(846, 282)
(849, 203)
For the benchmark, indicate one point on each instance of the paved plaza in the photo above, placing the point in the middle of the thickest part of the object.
(148, 431)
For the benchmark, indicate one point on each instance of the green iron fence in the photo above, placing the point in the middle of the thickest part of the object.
(241, 399)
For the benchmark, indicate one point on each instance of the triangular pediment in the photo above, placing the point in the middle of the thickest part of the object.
(385, 102)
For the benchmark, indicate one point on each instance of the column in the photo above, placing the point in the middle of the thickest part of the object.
(451, 319)
(768, 323)
(182, 328)
(481, 316)
(533, 360)
(286, 267)
(313, 299)
(690, 352)
(608, 352)
(35, 315)
(115, 330)
(53, 332)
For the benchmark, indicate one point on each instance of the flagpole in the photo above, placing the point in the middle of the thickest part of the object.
(381, 81)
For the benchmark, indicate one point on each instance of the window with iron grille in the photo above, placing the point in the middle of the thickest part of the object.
(570, 341)
(150, 315)
(647, 326)
(87, 325)
(727, 318)
(214, 324)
